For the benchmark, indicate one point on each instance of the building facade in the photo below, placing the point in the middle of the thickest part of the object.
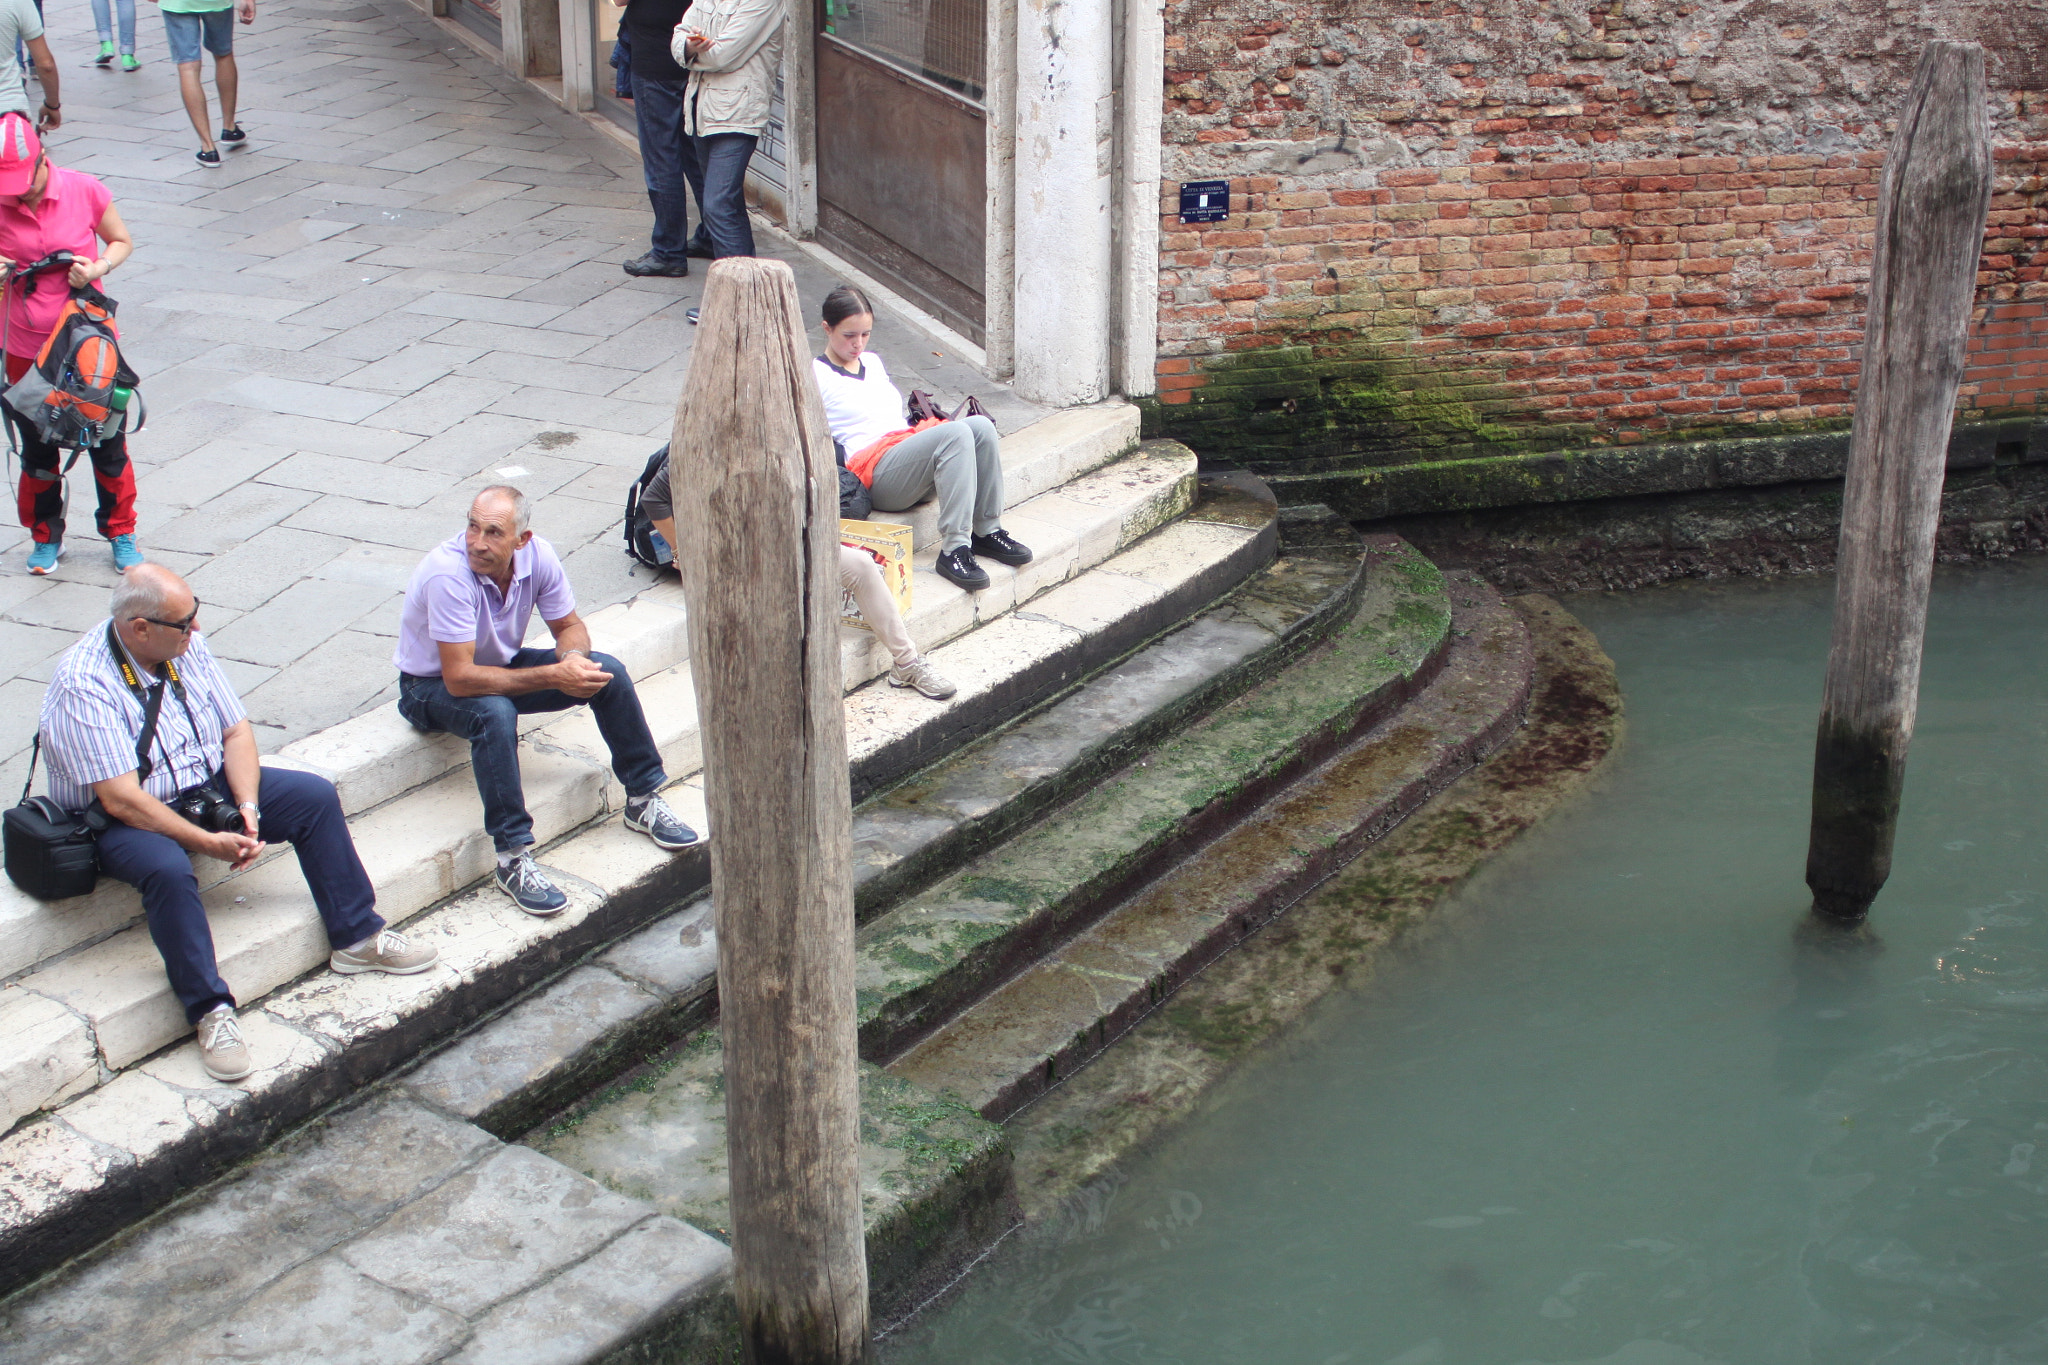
(1456, 230)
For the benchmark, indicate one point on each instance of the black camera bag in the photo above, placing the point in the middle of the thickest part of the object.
(52, 853)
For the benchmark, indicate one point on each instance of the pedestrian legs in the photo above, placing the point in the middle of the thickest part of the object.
(724, 157)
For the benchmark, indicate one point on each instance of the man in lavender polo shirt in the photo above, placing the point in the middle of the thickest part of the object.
(462, 669)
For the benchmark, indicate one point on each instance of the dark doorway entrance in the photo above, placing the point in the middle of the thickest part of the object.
(902, 170)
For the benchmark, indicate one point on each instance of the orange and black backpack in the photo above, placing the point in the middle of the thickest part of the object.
(69, 395)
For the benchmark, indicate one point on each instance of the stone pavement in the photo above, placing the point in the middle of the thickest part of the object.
(404, 286)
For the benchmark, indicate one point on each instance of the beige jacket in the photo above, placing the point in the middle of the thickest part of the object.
(733, 81)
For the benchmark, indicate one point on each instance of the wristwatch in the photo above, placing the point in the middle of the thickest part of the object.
(254, 810)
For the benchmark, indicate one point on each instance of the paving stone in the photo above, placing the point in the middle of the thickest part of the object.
(305, 615)
(627, 1291)
(299, 399)
(418, 529)
(449, 400)
(353, 667)
(63, 609)
(256, 570)
(677, 953)
(230, 519)
(523, 1048)
(492, 1231)
(324, 1311)
(364, 480)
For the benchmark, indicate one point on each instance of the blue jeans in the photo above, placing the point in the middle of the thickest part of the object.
(724, 157)
(669, 161)
(298, 809)
(103, 22)
(491, 725)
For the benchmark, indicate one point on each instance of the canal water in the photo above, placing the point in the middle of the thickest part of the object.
(1617, 1106)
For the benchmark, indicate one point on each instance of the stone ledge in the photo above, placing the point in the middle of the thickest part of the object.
(1370, 493)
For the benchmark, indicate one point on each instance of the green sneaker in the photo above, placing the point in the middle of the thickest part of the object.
(106, 57)
(128, 62)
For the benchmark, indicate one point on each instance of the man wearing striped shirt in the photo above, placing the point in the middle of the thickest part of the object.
(151, 653)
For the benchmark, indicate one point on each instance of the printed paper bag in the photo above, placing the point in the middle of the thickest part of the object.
(889, 543)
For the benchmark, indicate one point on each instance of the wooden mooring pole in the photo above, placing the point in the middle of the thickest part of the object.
(1930, 232)
(756, 488)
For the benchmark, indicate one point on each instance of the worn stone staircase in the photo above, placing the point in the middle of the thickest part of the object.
(99, 1084)
(1146, 762)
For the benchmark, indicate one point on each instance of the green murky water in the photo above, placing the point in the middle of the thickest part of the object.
(1614, 1107)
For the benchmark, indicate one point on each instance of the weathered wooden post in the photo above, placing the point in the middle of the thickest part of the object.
(1930, 233)
(753, 475)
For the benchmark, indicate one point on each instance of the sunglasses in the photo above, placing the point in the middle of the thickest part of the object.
(183, 627)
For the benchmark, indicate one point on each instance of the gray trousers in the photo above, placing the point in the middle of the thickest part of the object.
(962, 460)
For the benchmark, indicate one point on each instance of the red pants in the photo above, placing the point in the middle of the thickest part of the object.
(41, 496)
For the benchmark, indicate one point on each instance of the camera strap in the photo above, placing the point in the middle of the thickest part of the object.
(152, 699)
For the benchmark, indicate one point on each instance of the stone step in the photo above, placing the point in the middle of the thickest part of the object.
(377, 757)
(395, 1232)
(1045, 1023)
(105, 1156)
(929, 957)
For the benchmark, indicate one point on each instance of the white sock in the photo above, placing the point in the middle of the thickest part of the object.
(369, 942)
(507, 859)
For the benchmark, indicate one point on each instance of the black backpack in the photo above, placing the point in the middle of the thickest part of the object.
(643, 542)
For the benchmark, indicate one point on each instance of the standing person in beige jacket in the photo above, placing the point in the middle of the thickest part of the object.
(732, 50)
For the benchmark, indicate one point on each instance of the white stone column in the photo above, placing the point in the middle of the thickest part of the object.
(1065, 199)
(1143, 112)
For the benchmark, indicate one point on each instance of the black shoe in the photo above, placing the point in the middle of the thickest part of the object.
(693, 316)
(998, 545)
(958, 566)
(208, 157)
(234, 134)
(702, 250)
(651, 264)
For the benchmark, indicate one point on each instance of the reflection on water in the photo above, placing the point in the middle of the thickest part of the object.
(1626, 1106)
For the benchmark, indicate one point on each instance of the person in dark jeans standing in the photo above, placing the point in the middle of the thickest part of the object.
(732, 50)
(667, 157)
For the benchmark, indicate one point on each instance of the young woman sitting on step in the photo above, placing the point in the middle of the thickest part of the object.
(859, 575)
(901, 467)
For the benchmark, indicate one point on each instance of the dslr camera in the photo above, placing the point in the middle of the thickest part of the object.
(205, 807)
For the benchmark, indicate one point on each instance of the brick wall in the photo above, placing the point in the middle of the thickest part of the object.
(1465, 229)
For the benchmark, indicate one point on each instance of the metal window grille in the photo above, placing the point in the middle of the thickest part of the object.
(940, 40)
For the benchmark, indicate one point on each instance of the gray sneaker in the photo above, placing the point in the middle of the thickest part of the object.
(532, 892)
(926, 679)
(390, 951)
(651, 816)
(222, 1050)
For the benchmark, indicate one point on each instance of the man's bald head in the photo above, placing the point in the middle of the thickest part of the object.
(149, 596)
(151, 590)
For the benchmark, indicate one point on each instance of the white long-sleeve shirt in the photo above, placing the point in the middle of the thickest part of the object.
(860, 411)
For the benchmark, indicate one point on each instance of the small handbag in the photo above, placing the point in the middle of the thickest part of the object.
(923, 407)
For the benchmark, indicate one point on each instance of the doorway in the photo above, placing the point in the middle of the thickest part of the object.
(902, 147)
